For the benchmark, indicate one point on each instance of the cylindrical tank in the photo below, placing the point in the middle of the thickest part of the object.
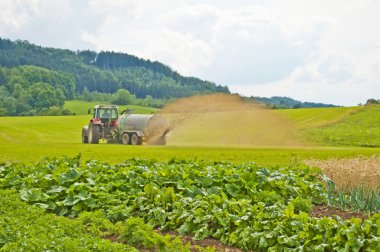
(133, 122)
(152, 128)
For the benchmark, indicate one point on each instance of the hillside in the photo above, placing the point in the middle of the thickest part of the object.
(343, 126)
(281, 102)
(360, 128)
(307, 118)
(60, 75)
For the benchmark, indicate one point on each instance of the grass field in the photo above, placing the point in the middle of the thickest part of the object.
(101, 201)
(316, 117)
(81, 107)
(361, 128)
(27, 139)
(351, 126)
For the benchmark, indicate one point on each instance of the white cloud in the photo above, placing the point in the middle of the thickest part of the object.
(310, 50)
(15, 14)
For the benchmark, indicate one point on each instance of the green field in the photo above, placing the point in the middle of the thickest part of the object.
(81, 107)
(316, 117)
(116, 205)
(351, 126)
(27, 139)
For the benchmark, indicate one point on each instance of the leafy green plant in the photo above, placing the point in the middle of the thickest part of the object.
(357, 198)
(244, 205)
(28, 228)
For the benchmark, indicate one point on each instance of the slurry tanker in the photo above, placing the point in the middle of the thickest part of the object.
(128, 128)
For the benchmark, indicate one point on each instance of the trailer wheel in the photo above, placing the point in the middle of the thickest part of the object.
(136, 140)
(126, 138)
(93, 134)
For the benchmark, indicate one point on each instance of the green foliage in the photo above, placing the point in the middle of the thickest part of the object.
(302, 204)
(123, 96)
(219, 200)
(30, 90)
(85, 72)
(280, 102)
(29, 228)
(358, 198)
(44, 96)
(24, 227)
(372, 102)
(138, 234)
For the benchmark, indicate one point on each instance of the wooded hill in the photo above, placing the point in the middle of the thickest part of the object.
(281, 102)
(34, 77)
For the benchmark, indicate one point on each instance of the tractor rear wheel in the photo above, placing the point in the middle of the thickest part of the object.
(126, 138)
(93, 134)
(136, 140)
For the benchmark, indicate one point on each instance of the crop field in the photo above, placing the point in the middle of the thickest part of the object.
(232, 177)
(245, 205)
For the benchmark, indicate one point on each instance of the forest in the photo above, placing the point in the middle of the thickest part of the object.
(36, 79)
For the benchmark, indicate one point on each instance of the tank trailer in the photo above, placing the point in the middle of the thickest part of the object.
(127, 128)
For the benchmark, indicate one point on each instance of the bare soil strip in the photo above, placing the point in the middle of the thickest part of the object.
(207, 242)
(327, 211)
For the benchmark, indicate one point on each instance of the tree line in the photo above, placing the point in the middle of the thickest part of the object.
(106, 72)
(281, 102)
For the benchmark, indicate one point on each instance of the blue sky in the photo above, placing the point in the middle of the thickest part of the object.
(321, 51)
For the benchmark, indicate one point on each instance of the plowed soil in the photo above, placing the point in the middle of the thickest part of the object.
(207, 242)
(327, 211)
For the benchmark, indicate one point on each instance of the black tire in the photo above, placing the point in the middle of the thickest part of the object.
(135, 139)
(84, 137)
(126, 139)
(93, 134)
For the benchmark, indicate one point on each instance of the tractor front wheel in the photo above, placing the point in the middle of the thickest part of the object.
(93, 134)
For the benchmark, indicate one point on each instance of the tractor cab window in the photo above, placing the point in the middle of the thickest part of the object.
(107, 113)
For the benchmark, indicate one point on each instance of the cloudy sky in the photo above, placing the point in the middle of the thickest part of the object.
(322, 51)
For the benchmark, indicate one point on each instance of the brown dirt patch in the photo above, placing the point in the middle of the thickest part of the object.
(348, 173)
(111, 237)
(207, 242)
(327, 211)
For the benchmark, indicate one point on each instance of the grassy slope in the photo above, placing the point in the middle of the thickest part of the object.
(27, 139)
(361, 128)
(317, 117)
(352, 126)
(81, 107)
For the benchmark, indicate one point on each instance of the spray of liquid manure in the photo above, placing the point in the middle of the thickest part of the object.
(225, 120)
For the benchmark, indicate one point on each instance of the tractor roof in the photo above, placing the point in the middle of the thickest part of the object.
(106, 106)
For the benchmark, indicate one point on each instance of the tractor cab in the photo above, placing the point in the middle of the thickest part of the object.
(105, 113)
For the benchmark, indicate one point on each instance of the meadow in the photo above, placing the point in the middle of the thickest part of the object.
(229, 175)
(28, 139)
